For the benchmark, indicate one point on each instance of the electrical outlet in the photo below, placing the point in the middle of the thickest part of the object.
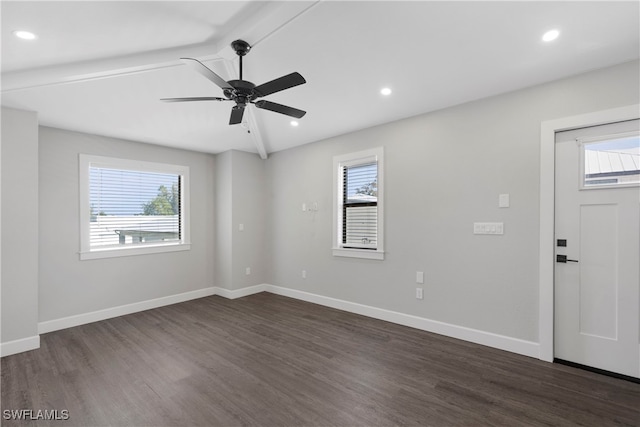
(418, 293)
(304, 274)
(419, 276)
(247, 271)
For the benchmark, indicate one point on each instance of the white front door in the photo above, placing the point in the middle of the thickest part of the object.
(597, 229)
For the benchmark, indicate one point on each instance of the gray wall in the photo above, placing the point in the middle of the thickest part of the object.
(224, 220)
(19, 225)
(443, 171)
(241, 199)
(249, 208)
(69, 286)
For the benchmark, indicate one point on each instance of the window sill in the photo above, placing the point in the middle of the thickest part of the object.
(133, 250)
(359, 253)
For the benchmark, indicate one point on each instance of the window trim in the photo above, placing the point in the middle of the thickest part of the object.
(85, 162)
(339, 163)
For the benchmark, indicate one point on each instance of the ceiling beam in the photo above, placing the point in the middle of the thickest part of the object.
(255, 28)
(105, 68)
(266, 25)
(256, 134)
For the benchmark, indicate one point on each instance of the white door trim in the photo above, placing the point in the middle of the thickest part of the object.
(548, 131)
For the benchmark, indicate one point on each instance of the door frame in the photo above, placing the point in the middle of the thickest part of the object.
(548, 131)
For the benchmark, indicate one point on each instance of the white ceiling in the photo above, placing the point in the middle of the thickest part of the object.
(101, 67)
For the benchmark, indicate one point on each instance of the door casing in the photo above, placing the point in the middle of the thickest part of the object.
(548, 131)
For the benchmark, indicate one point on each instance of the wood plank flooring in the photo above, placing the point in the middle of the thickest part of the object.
(267, 360)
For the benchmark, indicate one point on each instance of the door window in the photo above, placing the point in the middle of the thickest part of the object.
(613, 161)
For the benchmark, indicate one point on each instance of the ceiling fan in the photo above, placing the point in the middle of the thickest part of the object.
(243, 92)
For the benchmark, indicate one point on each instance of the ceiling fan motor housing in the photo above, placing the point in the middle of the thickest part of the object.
(242, 93)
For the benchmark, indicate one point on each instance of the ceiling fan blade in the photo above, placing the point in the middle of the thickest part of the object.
(279, 108)
(282, 83)
(198, 98)
(206, 72)
(236, 115)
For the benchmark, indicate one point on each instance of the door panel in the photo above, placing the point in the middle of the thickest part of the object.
(597, 292)
(598, 270)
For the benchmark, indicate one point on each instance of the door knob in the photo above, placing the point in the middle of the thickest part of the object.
(563, 259)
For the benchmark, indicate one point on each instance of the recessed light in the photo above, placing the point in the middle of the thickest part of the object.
(550, 35)
(294, 123)
(25, 35)
(385, 91)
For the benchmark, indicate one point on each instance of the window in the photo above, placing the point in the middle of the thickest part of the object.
(612, 161)
(132, 207)
(358, 213)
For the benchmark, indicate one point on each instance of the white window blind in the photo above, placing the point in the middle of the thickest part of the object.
(132, 207)
(360, 206)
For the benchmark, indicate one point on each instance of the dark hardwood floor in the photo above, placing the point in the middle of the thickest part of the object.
(267, 360)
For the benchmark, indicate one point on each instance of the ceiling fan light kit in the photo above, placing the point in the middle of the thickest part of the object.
(243, 92)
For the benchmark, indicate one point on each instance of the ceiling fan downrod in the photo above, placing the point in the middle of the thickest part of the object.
(242, 48)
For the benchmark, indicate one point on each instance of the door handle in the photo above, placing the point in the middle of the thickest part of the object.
(563, 259)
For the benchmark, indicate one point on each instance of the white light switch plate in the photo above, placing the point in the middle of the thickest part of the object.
(503, 200)
(488, 228)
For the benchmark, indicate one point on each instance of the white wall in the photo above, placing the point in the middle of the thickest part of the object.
(19, 230)
(443, 171)
(70, 287)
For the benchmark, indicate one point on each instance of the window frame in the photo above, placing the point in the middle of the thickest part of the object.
(374, 155)
(86, 162)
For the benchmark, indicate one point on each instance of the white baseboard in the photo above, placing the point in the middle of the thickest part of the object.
(108, 313)
(18, 346)
(514, 345)
(239, 293)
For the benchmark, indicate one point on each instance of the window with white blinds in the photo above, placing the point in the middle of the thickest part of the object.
(132, 207)
(358, 217)
(360, 206)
